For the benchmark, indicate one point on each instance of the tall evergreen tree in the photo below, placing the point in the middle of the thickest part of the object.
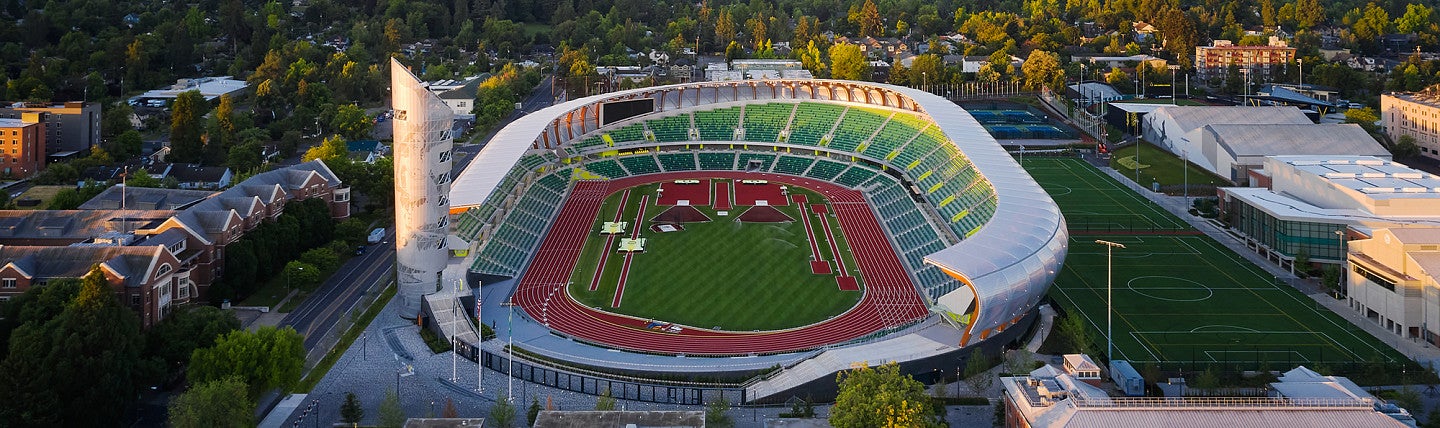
(185, 127)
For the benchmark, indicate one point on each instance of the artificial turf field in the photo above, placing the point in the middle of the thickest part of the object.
(723, 273)
(1183, 300)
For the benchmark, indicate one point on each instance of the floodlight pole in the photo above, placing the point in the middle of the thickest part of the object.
(1109, 300)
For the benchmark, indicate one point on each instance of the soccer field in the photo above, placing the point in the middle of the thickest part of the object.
(1182, 300)
(719, 272)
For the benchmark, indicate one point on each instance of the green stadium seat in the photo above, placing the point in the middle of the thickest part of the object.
(607, 168)
(677, 161)
(743, 160)
(855, 175)
(825, 170)
(792, 165)
(628, 133)
(640, 164)
(763, 122)
(671, 129)
(719, 124)
(856, 126)
(710, 161)
(812, 122)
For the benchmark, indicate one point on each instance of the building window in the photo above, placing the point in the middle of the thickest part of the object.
(134, 300)
(7, 283)
(164, 269)
(1374, 277)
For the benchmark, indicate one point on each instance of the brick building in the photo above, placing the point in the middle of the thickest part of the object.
(193, 238)
(71, 128)
(22, 145)
(1212, 62)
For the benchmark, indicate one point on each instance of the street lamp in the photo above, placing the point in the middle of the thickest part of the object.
(1172, 68)
(1109, 299)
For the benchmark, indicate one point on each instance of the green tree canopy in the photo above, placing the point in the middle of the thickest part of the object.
(1042, 70)
(351, 122)
(847, 62)
(76, 369)
(218, 403)
(332, 150)
(185, 127)
(880, 397)
(264, 359)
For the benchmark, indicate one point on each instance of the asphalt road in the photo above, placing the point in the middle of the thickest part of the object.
(342, 292)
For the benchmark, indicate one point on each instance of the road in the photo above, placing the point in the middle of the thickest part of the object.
(339, 295)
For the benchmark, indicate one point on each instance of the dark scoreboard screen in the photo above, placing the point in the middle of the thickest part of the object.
(616, 111)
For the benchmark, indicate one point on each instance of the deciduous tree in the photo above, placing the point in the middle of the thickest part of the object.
(880, 397)
(847, 62)
(267, 358)
(185, 136)
(217, 403)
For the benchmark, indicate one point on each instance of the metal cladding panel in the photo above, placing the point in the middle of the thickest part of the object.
(423, 145)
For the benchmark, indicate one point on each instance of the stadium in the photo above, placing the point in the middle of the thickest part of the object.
(748, 238)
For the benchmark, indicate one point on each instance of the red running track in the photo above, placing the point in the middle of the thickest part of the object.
(625, 270)
(890, 299)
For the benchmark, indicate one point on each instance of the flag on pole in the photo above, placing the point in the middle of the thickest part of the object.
(476, 291)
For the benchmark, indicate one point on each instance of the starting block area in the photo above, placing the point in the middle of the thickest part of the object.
(613, 228)
(631, 245)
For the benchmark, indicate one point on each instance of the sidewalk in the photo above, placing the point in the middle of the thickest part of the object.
(1416, 350)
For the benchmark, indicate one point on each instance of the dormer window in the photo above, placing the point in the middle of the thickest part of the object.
(7, 282)
(164, 269)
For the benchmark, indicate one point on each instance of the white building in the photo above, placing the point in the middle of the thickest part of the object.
(1416, 114)
(1231, 151)
(1170, 126)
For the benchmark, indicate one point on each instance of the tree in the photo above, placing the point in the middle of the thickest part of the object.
(222, 132)
(880, 396)
(871, 25)
(1073, 328)
(809, 57)
(1365, 117)
(605, 401)
(1207, 380)
(187, 329)
(141, 178)
(977, 372)
(1405, 147)
(76, 369)
(1415, 19)
(350, 411)
(324, 259)
(1116, 77)
(185, 139)
(351, 122)
(1018, 361)
(392, 414)
(533, 412)
(332, 150)
(245, 157)
(299, 274)
(847, 62)
(716, 413)
(221, 403)
(502, 414)
(1308, 13)
(1042, 70)
(265, 359)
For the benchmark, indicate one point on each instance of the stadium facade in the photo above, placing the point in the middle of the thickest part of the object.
(981, 241)
(423, 145)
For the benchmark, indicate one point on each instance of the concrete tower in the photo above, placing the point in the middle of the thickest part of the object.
(422, 186)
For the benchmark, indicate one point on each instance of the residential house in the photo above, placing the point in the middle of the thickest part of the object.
(194, 176)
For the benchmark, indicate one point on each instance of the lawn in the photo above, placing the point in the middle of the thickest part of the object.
(1158, 165)
(719, 274)
(44, 194)
(1182, 300)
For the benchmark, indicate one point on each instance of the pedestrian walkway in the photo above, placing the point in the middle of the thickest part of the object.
(1421, 352)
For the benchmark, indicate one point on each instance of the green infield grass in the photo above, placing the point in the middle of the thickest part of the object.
(723, 274)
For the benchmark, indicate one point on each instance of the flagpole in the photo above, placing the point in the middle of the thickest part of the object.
(479, 338)
(510, 351)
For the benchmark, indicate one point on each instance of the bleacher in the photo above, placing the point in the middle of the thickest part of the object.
(717, 161)
(855, 175)
(744, 158)
(813, 121)
(519, 233)
(856, 126)
(892, 136)
(677, 161)
(607, 168)
(640, 164)
(719, 124)
(592, 141)
(631, 132)
(792, 165)
(671, 129)
(763, 122)
(825, 170)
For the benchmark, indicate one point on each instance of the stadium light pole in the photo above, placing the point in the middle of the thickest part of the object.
(1109, 300)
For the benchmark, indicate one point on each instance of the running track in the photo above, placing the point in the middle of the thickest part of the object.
(889, 297)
